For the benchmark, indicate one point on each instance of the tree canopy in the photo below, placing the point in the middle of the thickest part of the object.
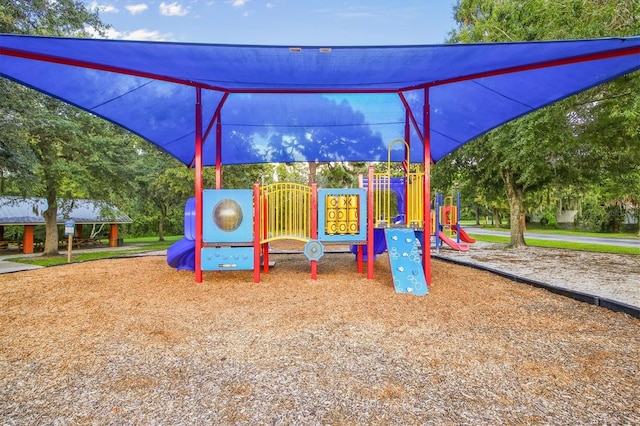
(589, 140)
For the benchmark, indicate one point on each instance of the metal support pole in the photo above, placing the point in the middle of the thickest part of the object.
(198, 186)
(256, 232)
(314, 226)
(370, 253)
(218, 152)
(360, 247)
(265, 231)
(407, 147)
(426, 249)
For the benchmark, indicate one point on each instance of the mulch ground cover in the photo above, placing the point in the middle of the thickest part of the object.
(132, 341)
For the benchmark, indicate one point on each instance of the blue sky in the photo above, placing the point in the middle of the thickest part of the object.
(279, 22)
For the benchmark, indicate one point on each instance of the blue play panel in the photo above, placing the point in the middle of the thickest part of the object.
(406, 261)
(227, 216)
(227, 258)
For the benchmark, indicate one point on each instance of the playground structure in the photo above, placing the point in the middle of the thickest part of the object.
(450, 95)
(383, 213)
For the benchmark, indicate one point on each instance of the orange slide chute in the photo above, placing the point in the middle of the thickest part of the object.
(452, 243)
(463, 235)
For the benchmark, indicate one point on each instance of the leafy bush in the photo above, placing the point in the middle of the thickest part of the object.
(593, 216)
(549, 220)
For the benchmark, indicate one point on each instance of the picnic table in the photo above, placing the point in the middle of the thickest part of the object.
(78, 242)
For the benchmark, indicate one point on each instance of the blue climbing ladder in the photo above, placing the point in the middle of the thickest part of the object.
(406, 261)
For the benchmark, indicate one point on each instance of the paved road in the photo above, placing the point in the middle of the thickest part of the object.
(622, 242)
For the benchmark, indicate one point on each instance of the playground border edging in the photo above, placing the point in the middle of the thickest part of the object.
(573, 294)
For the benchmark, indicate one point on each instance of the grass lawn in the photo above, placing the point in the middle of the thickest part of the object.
(147, 244)
(535, 228)
(601, 248)
(131, 246)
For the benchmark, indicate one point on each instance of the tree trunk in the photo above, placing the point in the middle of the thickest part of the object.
(163, 216)
(51, 227)
(515, 196)
(313, 171)
(496, 218)
(477, 216)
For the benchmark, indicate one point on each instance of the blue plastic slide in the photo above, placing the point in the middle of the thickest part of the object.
(379, 245)
(182, 254)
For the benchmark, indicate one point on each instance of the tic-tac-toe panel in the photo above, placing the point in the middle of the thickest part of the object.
(227, 216)
(342, 215)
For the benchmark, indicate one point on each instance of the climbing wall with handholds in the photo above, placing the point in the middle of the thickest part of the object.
(406, 261)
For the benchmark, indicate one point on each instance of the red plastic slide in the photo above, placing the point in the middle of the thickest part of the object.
(451, 243)
(463, 235)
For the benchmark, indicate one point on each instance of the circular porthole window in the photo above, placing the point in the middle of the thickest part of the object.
(227, 215)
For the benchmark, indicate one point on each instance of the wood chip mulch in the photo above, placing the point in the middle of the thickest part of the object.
(132, 341)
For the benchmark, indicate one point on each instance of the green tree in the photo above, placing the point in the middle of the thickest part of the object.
(15, 156)
(550, 146)
(49, 148)
(46, 17)
(77, 156)
(243, 176)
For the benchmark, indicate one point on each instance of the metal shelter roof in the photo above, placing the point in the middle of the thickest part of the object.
(318, 103)
(28, 211)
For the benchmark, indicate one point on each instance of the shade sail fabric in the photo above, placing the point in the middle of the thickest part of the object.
(290, 103)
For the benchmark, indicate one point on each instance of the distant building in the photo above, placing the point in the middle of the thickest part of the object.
(28, 212)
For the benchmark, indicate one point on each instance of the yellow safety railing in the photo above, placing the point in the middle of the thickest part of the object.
(415, 199)
(382, 205)
(286, 209)
(381, 200)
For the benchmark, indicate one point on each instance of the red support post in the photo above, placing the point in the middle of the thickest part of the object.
(409, 113)
(426, 248)
(113, 235)
(27, 241)
(265, 227)
(370, 225)
(360, 252)
(218, 152)
(407, 147)
(256, 232)
(198, 186)
(314, 226)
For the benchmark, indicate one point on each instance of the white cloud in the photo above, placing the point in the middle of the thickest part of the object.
(106, 8)
(142, 34)
(172, 9)
(238, 3)
(270, 5)
(134, 9)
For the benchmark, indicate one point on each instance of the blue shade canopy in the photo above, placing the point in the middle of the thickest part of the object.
(286, 104)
